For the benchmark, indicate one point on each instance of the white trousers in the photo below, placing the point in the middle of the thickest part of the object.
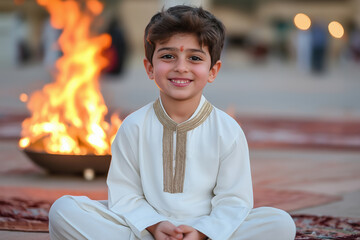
(79, 217)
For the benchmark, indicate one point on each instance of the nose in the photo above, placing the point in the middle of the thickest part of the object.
(181, 65)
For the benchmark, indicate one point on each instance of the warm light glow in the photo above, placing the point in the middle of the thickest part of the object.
(24, 142)
(89, 174)
(23, 97)
(68, 115)
(302, 21)
(336, 29)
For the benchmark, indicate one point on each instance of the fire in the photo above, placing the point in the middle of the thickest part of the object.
(68, 115)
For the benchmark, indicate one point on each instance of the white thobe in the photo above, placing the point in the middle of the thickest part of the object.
(217, 195)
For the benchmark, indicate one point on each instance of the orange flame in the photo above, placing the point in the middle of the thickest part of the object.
(68, 115)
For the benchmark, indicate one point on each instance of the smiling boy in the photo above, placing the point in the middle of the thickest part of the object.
(181, 68)
(180, 167)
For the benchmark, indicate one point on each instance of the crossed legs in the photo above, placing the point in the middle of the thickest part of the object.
(81, 218)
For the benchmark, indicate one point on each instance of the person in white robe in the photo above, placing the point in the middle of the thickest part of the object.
(216, 199)
(175, 178)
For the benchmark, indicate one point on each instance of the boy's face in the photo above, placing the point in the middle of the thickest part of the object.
(181, 68)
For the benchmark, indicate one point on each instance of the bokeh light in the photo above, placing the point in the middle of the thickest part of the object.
(23, 97)
(302, 21)
(336, 29)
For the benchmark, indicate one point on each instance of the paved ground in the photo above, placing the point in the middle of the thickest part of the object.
(272, 89)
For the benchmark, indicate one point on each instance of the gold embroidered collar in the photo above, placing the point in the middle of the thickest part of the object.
(174, 180)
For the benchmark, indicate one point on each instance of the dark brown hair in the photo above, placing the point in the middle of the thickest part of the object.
(185, 19)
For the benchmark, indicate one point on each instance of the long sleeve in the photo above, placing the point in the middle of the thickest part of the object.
(125, 191)
(233, 195)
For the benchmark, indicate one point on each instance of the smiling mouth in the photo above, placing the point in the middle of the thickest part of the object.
(178, 81)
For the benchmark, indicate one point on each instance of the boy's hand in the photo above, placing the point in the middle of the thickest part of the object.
(191, 233)
(165, 231)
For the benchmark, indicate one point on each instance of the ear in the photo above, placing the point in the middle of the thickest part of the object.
(149, 68)
(214, 71)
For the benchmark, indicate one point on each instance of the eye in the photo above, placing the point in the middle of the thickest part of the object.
(195, 58)
(167, 56)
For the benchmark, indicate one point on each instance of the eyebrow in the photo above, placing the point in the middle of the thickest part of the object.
(175, 49)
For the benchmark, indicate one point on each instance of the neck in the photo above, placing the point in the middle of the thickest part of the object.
(180, 111)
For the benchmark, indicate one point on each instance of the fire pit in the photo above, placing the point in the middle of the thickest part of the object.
(70, 164)
(67, 132)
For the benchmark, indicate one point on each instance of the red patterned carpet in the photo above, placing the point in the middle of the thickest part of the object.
(310, 227)
(26, 209)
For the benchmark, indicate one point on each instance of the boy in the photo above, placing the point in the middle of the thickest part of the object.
(180, 167)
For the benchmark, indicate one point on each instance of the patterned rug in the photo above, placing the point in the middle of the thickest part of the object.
(324, 227)
(23, 214)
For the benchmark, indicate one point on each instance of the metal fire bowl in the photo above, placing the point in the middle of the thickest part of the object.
(69, 164)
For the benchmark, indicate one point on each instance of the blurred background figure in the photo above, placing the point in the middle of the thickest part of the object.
(118, 51)
(282, 29)
(20, 31)
(303, 50)
(319, 41)
(354, 42)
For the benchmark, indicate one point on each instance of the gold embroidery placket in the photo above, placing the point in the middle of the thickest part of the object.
(174, 180)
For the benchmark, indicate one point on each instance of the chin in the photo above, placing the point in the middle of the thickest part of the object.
(181, 96)
(185, 98)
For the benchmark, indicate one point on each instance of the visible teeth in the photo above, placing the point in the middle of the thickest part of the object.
(180, 81)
